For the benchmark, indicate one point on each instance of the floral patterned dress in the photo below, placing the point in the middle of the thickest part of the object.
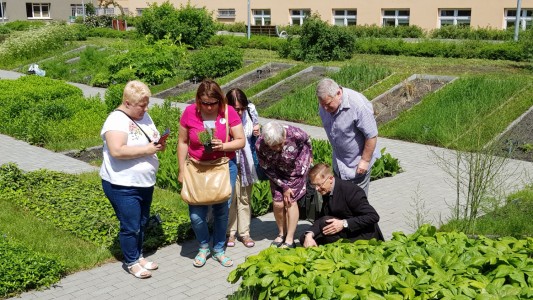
(288, 168)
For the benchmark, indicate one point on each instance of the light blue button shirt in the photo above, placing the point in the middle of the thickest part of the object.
(347, 129)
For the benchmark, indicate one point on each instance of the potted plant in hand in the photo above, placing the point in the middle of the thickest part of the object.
(205, 138)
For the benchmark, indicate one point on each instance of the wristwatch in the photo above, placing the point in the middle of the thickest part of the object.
(344, 223)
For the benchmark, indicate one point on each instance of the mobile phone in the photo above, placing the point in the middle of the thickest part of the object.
(163, 137)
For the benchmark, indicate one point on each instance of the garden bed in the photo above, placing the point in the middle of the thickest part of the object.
(89, 155)
(405, 95)
(290, 85)
(518, 140)
(251, 78)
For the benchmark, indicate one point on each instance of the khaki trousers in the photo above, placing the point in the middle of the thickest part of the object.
(240, 212)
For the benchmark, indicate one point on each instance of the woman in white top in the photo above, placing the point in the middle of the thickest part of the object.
(129, 170)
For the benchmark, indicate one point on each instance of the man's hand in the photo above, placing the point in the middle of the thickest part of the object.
(309, 240)
(362, 167)
(287, 196)
(334, 226)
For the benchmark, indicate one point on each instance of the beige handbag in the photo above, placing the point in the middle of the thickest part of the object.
(207, 182)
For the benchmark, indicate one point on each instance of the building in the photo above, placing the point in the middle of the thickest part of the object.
(48, 10)
(498, 14)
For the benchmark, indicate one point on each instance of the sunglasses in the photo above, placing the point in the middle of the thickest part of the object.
(208, 103)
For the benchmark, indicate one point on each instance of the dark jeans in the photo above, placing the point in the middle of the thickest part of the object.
(132, 207)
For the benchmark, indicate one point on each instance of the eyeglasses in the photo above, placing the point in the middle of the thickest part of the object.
(315, 186)
(208, 103)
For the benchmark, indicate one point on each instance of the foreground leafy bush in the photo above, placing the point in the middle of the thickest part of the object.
(424, 265)
(215, 62)
(24, 269)
(191, 25)
(80, 207)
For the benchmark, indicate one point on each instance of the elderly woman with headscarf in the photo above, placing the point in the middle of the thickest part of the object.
(284, 152)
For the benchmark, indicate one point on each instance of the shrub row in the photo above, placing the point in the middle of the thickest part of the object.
(431, 48)
(215, 62)
(80, 207)
(255, 42)
(24, 269)
(48, 112)
(34, 42)
(424, 265)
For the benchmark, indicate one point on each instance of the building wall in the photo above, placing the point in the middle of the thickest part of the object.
(424, 13)
(59, 9)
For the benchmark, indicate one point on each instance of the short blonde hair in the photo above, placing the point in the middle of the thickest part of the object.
(321, 169)
(135, 91)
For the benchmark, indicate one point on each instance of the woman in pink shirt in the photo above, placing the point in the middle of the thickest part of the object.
(209, 112)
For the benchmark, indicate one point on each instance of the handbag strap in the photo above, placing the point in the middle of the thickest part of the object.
(149, 140)
(227, 126)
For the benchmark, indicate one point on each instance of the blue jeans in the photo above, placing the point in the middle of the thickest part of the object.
(198, 215)
(132, 207)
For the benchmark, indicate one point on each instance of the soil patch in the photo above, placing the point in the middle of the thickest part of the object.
(405, 95)
(292, 84)
(189, 85)
(89, 155)
(518, 141)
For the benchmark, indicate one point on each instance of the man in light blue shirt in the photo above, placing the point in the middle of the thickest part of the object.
(348, 118)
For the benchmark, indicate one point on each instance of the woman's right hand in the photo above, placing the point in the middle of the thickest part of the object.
(153, 148)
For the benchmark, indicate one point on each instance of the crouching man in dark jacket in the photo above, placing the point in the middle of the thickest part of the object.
(345, 214)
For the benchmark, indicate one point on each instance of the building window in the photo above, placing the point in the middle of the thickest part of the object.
(261, 17)
(526, 18)
(77, 10)
(139, 11)
(395, 17)
(3, 10)
(100, 11)
(344, 17)
(226, 13)
(455, 17)
(38, 10)
(298, 16)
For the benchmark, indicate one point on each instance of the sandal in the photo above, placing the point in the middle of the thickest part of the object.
(277, 244)
(247, 241)
(142, 273)
(201, 257)
(148, 265)
(231, 241)
(287, 246)
(223, 259)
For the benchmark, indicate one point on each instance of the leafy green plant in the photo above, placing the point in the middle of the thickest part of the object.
(113, 96)
(527, 147)
(385, 166)
(261, 198)
(205, 136)
(27, 269)
(429, 264)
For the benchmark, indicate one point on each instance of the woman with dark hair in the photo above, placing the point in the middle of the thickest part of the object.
(208, 112)
(240, 212)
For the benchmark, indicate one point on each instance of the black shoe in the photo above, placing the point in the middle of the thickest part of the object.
(287, 246)
(278, 244)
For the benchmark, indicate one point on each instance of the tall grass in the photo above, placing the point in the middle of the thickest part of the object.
(264, 84)
(450, 116)
(302, 106)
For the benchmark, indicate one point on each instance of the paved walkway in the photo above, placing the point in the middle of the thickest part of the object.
(422, 179)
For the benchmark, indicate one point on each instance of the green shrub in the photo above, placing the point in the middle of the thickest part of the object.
(255, 42)
(461, 32)
(152, 63)
(79, 206)
(230, 27)
(191, 25)
(367, 31)
(107, 32)
(98, 21)
(113, 96)
(25, 269)
(215, 62)
(49, 112)
(425, 264)
(20, 25)
(261, 199)
(319, 41)
(5, 30)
